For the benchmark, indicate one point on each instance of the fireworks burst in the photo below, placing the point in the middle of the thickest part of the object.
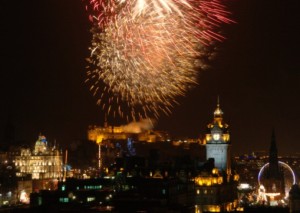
(148, 52)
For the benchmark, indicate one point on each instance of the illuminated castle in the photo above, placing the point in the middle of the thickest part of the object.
(43, 162)
(141, 130)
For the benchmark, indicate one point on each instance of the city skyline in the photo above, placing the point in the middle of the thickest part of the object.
(255, 73)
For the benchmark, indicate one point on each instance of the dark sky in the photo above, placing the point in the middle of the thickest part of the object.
(44, 44)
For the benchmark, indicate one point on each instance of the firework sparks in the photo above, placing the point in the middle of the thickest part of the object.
(147, 52)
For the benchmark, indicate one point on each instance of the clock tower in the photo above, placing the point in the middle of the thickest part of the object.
(218, 142)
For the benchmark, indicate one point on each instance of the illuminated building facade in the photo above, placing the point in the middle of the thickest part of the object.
(218, 142)
(43, 162)
(215, 186)
(98, 134)
(214, 192)
(141, 131)
(136, 130)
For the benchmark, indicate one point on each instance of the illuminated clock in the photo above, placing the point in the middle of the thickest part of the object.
(216, 136)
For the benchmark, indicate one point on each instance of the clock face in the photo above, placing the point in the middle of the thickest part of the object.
(216, 136)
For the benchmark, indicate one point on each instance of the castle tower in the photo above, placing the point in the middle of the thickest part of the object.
(218, 142)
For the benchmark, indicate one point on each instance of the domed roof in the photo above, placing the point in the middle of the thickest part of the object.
(41, 144)
(218, 112)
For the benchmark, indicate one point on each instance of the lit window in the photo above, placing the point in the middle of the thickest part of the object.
(40, 201)
(63, 199)
(90, 199)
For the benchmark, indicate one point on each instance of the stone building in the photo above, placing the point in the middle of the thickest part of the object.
(43, 162)
(215, 185)
(218, 145)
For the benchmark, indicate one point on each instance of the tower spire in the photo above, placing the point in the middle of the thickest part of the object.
(273, 156)
(218, 112)
(273, 180)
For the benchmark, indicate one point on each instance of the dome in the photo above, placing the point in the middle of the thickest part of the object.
(40, 144)
(218, 112)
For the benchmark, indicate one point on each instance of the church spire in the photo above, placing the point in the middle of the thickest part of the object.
(273, 156)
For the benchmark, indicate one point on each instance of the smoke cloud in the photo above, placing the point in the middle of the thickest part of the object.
(139, 126)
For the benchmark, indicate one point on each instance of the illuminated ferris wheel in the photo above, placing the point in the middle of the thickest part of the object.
(289, 176)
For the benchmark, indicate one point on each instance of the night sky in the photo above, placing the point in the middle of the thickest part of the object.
(255, 73)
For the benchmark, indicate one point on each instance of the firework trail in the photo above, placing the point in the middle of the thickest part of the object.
(148, 52)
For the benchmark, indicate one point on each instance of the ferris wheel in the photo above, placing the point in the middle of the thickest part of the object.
(287, 170)
(284, 165)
